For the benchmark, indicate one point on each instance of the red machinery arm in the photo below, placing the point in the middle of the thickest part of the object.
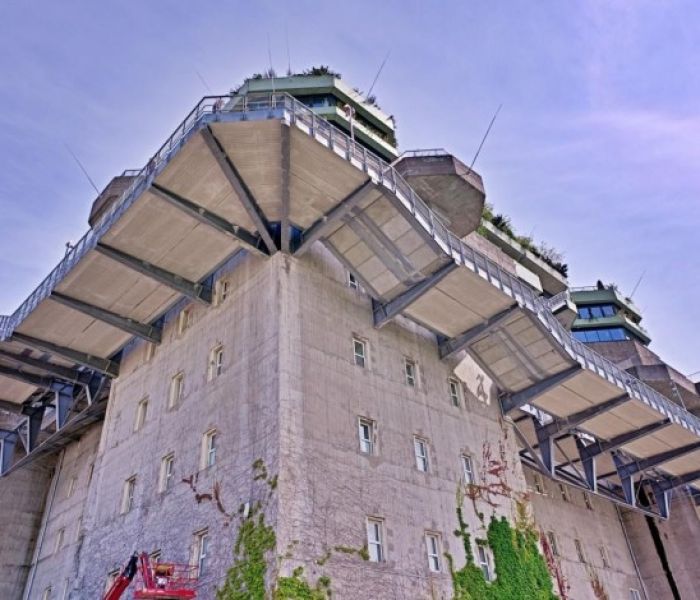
(123, 580)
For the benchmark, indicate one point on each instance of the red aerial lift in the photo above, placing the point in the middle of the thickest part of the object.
(164, 581)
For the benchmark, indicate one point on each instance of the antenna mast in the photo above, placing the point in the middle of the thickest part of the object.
(377, 75)
(483, 140)
(82, 168)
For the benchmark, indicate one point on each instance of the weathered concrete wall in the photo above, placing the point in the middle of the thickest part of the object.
(327, 487)
(56, 560)
(241, 404)
(22, 498)
(599, 531)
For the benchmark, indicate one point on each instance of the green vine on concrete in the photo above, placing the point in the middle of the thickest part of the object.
(521, 571)
(296, 588)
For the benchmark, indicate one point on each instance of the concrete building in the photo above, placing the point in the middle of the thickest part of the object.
(280, 359)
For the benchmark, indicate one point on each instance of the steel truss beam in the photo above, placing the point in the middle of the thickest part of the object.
(449, 348)
(96, 363)
(65, 400)
(511, 401)
(674, 482)
(194, 291)
(28, 378)
(385, 312)
(146, 332)
(59, 371)
(239, 186)
(11, 407)
(7, 450)
(323, 226)
(201, 214)
(35, 417)
(629, 469)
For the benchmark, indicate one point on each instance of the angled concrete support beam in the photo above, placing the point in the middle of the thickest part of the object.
(511, 401)
(674, 482)
(450, 347)
(239, 186)
(65, 399)
(589, 465)
(327, 222)
(28, 378)
(616, 442)
(251, 241)
(59, 371)
(194, 291)
(7, 451)
(632, 468)
(146, 332)
(383, 313)
(663, 499)
(96, 363)
(574, 420)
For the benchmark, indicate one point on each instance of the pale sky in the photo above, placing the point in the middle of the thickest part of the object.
(596, 148)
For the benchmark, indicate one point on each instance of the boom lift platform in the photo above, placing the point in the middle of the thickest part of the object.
(156, 581)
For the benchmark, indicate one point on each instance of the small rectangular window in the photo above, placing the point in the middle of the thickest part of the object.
(352, 282)
(155, 556)
(366, 433)
(59, 539)
(587, 501)
(359, 352)
(455, 392)
(467, 469)
(71, 486)
(141, 414)
(176, 390)
(432, 543)
(604, 557)
(634, 594)
(222, 291)
(538, 483)
(167, 473)
(420, 449)
(552, 539)
(208, 449)
(149, 351)
(216, 362)
(91, 471)
(484, 560)
(564, 492)
(184, 320)
(201, 551)
(47, 594)
(409, 369)
(579, 551)
(128, 494)
(375, 539)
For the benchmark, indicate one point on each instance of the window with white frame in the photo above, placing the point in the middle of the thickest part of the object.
(177, 387)
(366, 433)
(141, 414)
(184, 320)
(47, 594)
(410, 371)
(634, 594)
(66, 583)
(60, 535)
(167, 472)
(216, 362)
(483, 557)
(455, 391)
(604, 557)
(352, 281)
(553, 545)
(201, 551)
(375, 539)
(467, 469)
(223, 287)
(71, 486)
(155, 556)
(359, 349)
(128, 494)
(208, 449)
(579, 551)
(563, 490)
(420, 449)
(111, 578)
(432, 544)
(78, 528)
(538, 483)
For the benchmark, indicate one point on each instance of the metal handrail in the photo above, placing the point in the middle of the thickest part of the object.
(382, 174)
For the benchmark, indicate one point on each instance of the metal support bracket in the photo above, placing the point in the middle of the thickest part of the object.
(515, 400)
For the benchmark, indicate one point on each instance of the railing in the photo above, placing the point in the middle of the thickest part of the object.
(558, 301)
(420, 153)
(382, 174)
